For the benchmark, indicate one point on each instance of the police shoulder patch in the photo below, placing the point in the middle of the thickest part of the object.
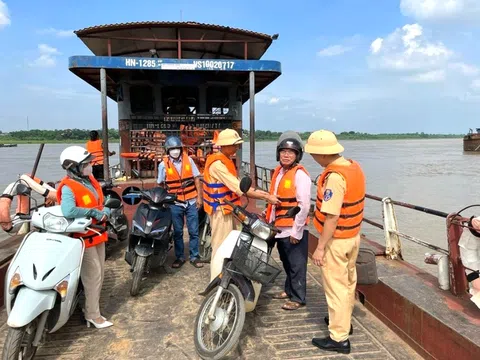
(327, 195)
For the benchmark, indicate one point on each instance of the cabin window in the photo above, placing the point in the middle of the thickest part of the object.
(217, 100)
(142, 99)
(180, 100)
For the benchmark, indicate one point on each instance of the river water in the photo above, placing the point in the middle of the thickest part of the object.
(430, 173)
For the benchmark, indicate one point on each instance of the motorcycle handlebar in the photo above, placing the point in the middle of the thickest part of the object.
(98, 227)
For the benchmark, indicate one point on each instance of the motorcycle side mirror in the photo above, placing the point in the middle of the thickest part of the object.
(292, 212)
(245, 184)
(23, 189)
(113, 203)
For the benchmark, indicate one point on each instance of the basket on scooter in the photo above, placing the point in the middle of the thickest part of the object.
(254, 263)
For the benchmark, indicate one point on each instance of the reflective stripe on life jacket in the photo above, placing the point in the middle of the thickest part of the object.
(174, 180)
(214, 192)
(286, 193)
(84, 198)
(351, 214)
(95, 148)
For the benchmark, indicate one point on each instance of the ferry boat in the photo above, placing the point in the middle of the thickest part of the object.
(192, 79)
(471, 141)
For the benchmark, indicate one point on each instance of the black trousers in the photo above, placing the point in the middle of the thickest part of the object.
(294, 259)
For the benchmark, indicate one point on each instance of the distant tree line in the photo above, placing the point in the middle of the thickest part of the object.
(262, 135)
(64, 135)
(80, 135)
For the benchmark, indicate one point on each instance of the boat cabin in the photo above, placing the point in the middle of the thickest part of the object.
(173, 78)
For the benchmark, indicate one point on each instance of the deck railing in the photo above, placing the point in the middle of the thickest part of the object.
(451, 273)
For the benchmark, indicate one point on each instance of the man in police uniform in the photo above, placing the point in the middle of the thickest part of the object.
(220, 183)
(338, 218)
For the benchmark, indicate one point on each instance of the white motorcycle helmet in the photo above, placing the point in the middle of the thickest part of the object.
(74, 158)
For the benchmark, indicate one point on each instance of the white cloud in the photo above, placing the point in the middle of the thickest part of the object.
(408, 49)
(56, 32)
(465, 69)
(4, 15)
(475, 84)
(331, 119)
(334, 50)
(47, 56)
(427, 77)
(441, 9)
(274, 100)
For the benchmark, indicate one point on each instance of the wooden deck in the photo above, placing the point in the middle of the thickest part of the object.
(158, 323)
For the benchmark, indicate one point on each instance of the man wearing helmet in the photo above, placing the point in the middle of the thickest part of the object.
(179, 175)
(80, 195)
(220, 183)
(291, 183)
(338, 219)
(95, 147)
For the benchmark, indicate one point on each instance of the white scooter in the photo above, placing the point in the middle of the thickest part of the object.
(241, 265)
(42, 282)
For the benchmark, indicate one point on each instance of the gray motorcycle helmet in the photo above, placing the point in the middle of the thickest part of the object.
(297, 146)
(173, 142)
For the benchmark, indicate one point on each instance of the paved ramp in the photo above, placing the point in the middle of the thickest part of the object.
(158, 323)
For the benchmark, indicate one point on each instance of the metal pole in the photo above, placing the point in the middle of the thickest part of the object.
(251, 83)
(103, 87)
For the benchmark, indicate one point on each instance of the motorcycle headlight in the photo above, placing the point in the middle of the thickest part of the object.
(261, 230)
(54, 223)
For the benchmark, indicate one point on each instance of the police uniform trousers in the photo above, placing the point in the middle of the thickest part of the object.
(339, 282)
(221, 225)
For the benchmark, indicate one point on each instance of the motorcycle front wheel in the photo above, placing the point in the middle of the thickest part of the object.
(18, 343)
(205, 242)
(138, 270)
(221, 335)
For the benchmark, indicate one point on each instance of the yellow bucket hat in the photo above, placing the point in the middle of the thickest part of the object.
(228, 137)
(323, 142)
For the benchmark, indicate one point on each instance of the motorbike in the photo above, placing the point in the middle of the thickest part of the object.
(242, 265)
(42, 284)
(151, 237)
(117, 225)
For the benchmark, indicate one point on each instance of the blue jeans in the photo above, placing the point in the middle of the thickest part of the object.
(178, 215)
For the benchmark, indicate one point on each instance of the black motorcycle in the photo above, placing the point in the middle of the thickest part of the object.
(151, 237)
(117, 225)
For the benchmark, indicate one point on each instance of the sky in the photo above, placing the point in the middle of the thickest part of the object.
(372, 66)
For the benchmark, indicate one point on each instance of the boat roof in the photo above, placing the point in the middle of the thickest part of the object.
(175, 72)
(199, 40)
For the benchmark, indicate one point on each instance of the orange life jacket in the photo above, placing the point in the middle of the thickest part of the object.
(287, 195)
(84, 198)
(351, 214)
(214, 193)
(95, 148)
(174, 180)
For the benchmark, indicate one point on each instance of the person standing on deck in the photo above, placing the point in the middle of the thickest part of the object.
(291, 183)
(80, 195)
(220, 183)
(95, 147)
(338, 219)
(179, 175)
